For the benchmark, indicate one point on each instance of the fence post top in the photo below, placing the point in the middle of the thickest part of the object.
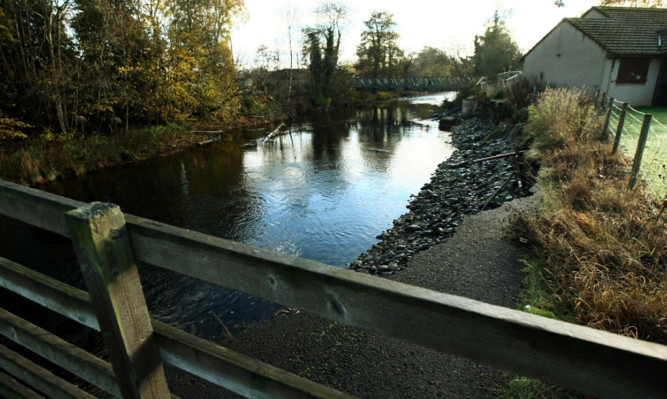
(92, 210)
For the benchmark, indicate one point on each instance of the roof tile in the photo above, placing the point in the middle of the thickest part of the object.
(626, 31)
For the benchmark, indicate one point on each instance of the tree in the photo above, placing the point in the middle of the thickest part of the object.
(202, 78)
(321, 47)
(431, 61)
(114, 42)
(37, 56)
(495, 51)
(378, 52)
(106, 62)
(290, 16)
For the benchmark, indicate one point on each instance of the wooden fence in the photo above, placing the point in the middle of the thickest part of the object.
(107, 243)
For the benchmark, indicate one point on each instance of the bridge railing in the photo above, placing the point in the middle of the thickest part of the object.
(509, 77)
(411, 84)
(591, 361)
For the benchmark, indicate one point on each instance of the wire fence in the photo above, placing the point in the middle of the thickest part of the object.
(653, 170)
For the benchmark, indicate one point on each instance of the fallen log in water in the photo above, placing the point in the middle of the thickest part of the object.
(274, 132)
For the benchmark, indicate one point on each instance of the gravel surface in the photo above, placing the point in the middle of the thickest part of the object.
(446, 243)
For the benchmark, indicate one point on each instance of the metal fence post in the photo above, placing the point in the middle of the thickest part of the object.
(605, 132)
(637, 162)
(619, 128)
(105, 255)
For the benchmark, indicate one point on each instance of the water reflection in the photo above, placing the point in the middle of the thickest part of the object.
(322, 191)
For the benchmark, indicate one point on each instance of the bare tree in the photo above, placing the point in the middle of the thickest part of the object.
(290, 16)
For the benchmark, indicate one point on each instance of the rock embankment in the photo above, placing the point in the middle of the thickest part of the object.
(460, 186)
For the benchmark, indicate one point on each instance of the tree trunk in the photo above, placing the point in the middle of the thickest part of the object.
(289, 86)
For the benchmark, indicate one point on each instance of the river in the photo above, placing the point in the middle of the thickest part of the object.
(322, 191)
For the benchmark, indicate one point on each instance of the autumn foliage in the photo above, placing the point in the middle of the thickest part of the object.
(101, 66)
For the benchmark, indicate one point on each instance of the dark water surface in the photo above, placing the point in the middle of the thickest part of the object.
(323, 191)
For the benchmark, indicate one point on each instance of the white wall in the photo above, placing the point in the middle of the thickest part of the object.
(636, 94)
(567, 57)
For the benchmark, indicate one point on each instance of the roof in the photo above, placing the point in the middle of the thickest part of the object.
(624, 31)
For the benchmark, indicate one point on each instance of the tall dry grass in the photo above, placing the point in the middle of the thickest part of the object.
(603, 246)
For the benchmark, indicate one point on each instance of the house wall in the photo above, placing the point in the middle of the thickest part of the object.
(635, 94)
(567, 57)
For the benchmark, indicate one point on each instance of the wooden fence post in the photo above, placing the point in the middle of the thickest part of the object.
(619, 129)
(637, 162)
(605, 132)
(103, 248)
(603, 101)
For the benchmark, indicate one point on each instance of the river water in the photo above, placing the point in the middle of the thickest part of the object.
(322, 191)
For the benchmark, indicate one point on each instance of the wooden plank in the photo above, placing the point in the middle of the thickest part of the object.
(38, 377)
(587, 360)
(48, 292)
(58, 351)
(36, 207)
(103, 248)
(212, 362)
(583, 359)
(12, 389)
(239, 373)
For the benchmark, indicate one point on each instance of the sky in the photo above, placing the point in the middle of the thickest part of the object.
(449, 25)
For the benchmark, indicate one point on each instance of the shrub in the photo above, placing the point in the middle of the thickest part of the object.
(561, 117)
(11, 129)
(603, 245)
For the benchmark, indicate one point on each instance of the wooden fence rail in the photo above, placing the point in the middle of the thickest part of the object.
(587, 360)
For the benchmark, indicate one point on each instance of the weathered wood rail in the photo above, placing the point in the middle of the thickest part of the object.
(591, 361)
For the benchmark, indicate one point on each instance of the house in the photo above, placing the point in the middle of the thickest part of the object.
(620, 51)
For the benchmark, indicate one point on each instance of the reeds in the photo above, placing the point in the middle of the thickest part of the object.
(603, 246)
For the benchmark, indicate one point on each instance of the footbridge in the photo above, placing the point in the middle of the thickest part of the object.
(410, 84)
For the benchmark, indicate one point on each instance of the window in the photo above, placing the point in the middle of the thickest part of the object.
(632, 70)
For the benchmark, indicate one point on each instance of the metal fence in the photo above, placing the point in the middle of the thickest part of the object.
(647, 152)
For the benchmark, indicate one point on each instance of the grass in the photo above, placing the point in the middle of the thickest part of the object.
(538, 297)
(600, 248)
(528, 388)
(603, 245)
(50, 158)
(654, 161)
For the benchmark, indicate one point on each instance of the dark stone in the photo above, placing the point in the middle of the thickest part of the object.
(457, 188)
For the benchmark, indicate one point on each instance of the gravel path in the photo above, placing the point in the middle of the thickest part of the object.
(477, 260)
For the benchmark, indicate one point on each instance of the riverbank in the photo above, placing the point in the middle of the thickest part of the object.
(445, 242)
(50, 158)
(468, 182)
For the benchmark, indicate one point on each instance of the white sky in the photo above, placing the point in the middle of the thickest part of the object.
(450, 25)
